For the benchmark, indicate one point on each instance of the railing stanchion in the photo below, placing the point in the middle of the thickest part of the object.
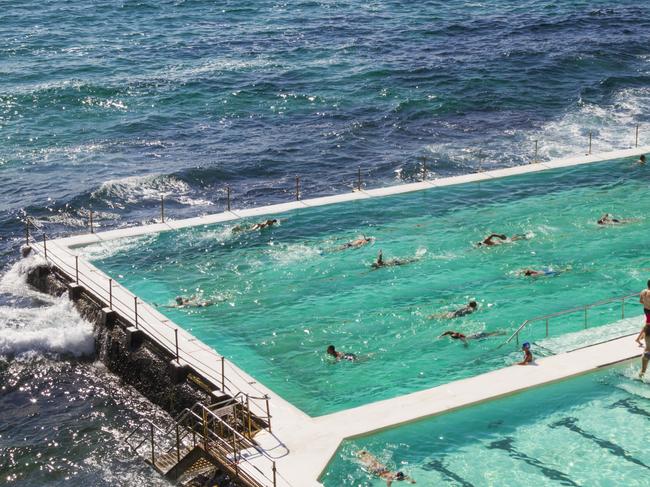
(589, 153)
(268, 411)
(248, 410)
(359, 178)
(636, 138)
(176, 339)
(45, 245)
(178, 445)
(223, 374)
(135, 305)
(586, 317)
(162, 208)
(274, 475)
(536, 160)
(110, 293)
(153, 456)
(228, 197)
(424, 168)
(297, 188)
(27, 231)
(623, 308)
(76, 268)
(90, 221)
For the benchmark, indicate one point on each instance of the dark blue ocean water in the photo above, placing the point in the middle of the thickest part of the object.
(111, 104)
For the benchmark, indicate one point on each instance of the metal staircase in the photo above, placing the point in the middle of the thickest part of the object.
(205, 437)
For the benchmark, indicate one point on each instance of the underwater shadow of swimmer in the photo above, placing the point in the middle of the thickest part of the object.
(548, 472)
(613, 448)
(628, 405)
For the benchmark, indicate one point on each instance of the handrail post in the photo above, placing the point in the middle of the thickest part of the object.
(178, 446)
(536, 160)
(424, 168)
(223, 374)
(636, 138)
(162, 208)
(359, 178)
(176, 339)
(76, 268)
(45, 245)
(274, 475)
(205, 429)
(589, 153)
(90, 221)
(268, 411)
(110, 293)
(153, 456)
(585, 317)
(623, 308)
(297, 188)
(27, 231)
(228, 197)
(248, 408)
(135, 303)
(517, 337)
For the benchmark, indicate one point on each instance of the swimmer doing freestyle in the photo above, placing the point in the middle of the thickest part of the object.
(380, 262)
(498, 239)
(355, 244)
(332, 352)
(456, 335)
(375, 467)
(256, 226)
(464, 311)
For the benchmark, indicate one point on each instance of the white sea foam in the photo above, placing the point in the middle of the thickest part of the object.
(109, 248)
(54, 327)
(291, 253)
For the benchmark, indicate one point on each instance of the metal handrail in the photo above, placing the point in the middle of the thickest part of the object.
(583, 308)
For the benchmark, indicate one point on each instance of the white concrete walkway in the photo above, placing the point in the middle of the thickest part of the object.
(301, 445)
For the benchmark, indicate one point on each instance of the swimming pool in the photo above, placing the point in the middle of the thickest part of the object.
(283, 294)
(587, 431)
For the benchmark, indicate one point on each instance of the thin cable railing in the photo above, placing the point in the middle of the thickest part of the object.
(579, 309)
(145, 319)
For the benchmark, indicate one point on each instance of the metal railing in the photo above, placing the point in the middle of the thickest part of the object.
(201, 426)
(152, 326)
(584, 309)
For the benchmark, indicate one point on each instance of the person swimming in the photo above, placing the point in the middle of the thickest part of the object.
(375, 467)
(355, 244)
(331, 351)
(380, 262)
(256, 226)
(456, 335)
(535, 273)
(608, 219)
(641, 160)
(191, 302)
(499, 238)
(464, 311)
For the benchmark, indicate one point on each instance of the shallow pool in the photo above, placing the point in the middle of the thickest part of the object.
(283, 294)
(587, 431)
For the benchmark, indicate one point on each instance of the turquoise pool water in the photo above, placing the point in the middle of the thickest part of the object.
(283, 294)
(588, 431)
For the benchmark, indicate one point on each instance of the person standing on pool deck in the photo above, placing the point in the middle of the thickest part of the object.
(644, 335)
(528, 355)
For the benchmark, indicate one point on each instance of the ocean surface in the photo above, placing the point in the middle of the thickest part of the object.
(108, 105)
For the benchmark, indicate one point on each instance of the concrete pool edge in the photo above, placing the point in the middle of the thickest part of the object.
(303, 445)
(81, 240)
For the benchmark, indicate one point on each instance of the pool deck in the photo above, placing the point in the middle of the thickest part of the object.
(302, 446)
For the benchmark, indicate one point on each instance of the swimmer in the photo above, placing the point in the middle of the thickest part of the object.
(256, 226)
(191, 302)
(641, 160)
(464, 311)
(340, 355)
(355, 244)
(375, 467)
(534, 273)
(455, 335)
(528, 355)
(380, 262)
(608, 219)
(498, 239)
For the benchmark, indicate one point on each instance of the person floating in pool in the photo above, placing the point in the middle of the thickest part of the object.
(456, 335)
(356, 243)
(464, 311)
(191, 302)
(256, 226)
(380, 262)
(331, 351)
(539, 273)
(498, 239)
(528, 355)
(375, 467)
